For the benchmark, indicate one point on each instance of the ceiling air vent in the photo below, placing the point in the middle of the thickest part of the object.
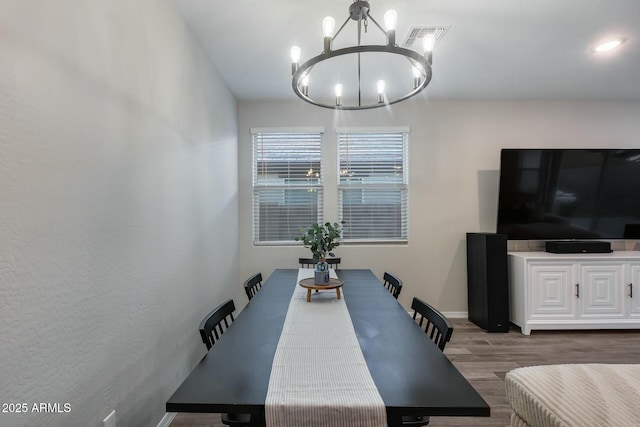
(416, 34)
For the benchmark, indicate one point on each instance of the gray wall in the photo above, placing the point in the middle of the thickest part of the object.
(118, 207)
(454, 152)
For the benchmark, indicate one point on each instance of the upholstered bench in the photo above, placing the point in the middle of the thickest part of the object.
(580, 395)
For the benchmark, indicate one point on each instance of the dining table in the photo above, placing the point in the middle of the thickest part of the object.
(411, 374)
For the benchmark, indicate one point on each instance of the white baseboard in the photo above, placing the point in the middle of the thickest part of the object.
(456, 314)
(450, 314)
(166, 420)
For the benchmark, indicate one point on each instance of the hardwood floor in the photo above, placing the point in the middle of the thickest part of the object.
(484, 359)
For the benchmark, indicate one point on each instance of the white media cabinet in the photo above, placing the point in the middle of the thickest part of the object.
(574, 291)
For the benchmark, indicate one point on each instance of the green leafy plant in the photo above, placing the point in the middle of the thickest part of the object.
(321, 238)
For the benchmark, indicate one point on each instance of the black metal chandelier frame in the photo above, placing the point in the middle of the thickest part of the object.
(359, 12)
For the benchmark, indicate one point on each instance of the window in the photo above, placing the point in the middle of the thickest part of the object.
(287, 183)
(373, 184)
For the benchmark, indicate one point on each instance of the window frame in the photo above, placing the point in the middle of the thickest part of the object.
(316, 137)
(401, 186)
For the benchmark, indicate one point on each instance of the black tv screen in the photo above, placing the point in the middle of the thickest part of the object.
(569, 194)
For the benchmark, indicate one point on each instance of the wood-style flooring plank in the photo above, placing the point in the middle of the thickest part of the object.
(485, 358)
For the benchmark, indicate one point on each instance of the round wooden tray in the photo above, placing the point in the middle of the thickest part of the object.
(310, 284)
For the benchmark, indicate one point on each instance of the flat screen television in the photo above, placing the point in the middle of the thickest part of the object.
(560, 194)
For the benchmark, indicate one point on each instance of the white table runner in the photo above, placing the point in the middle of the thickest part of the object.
(319, 376)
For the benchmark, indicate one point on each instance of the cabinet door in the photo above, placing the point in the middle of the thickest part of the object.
(632, 290)
(552, 291)
(601, 294)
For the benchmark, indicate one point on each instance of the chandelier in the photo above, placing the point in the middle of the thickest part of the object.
(408, 83)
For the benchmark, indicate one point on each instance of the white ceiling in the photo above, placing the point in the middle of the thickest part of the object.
(493, 49)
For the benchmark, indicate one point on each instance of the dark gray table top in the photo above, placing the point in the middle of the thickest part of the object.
(412, 375)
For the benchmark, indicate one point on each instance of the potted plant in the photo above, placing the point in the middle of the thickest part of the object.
(321, 239)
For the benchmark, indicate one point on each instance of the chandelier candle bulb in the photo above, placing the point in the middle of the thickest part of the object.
(417, 74)
(296, 53)
(380, 88)
(390, 22)
(390, 19)
(328, 25)
(338, 90)
(428, 43)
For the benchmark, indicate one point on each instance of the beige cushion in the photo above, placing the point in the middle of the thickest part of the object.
(581, 395)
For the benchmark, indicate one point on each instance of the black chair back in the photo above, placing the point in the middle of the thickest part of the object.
(438, 327)
(311, 262)
(307, 262)
(393, 284)
(252, 285)
(215, 323)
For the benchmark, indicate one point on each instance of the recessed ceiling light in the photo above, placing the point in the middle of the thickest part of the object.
(608, 45)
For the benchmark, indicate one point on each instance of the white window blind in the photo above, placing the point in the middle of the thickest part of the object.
(287, 184)
(373, 185)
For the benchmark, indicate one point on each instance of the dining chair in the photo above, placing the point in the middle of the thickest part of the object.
(252, 285)
(211, 329)
(393, 284)
(311, 262)
(439, 329)
(307, 262)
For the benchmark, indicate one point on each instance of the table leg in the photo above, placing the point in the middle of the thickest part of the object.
(308, 295)
(394, 420)
(258, 420)
(338, 292)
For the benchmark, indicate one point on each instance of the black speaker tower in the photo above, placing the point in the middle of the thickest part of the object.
(487, 281)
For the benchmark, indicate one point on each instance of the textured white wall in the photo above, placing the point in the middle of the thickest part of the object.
(118, 207)
(454, 156)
